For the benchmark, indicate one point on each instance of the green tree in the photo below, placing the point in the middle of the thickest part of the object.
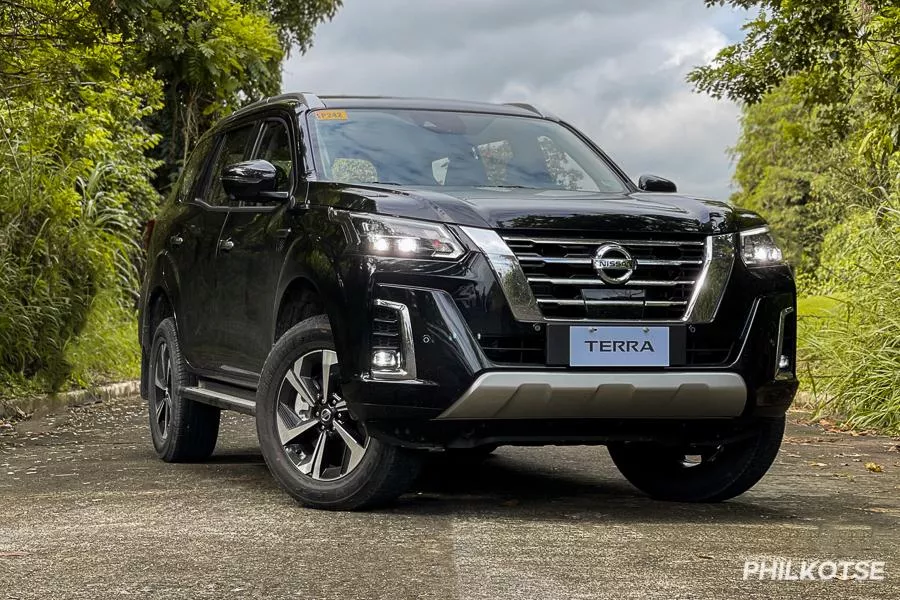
(819, 154)
(212, 56)
(102, 99)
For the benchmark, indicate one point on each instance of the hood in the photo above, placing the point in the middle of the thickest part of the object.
(519, 208)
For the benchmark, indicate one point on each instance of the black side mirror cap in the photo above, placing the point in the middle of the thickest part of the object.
(652, 183)
(253, 181)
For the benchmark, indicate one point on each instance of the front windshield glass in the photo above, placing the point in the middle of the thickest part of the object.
(443, 148)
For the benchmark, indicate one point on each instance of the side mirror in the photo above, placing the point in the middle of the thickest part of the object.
(652, 183)
(254, 181)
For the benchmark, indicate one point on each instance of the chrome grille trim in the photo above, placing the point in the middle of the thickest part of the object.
(713, 279)
(598, 242)
(509, 273)
(611, 302)
(583, 281)
(708, 276)
(586, 261)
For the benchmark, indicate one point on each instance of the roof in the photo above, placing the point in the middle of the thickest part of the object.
(340, 101)
(426, 104)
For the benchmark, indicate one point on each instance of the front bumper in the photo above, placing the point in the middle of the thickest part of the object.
(462, 395)
(581, 395)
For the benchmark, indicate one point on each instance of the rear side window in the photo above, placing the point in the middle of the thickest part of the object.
(193, 170)
(234, 149)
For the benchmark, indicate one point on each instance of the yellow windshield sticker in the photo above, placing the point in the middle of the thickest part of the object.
(331, 115)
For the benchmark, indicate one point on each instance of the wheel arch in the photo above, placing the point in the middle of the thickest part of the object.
(309, 272)
(299, 299)
(157, 308)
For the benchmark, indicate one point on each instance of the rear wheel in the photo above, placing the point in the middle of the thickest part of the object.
(700, 474)
(315, 448)
(182, 430)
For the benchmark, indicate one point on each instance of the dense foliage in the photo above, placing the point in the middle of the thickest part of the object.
(102, 102)
(819, 155)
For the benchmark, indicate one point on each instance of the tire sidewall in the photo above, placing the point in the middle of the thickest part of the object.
(740, 466)
(310, 335)
(166, 332)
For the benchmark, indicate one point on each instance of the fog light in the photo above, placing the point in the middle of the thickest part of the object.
(386, 359)
(784, 362)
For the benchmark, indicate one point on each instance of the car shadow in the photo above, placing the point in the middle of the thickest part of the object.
(508, 486)
(515, 485)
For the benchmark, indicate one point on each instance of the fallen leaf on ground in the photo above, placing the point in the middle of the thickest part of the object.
(884, 510)
(874, 467)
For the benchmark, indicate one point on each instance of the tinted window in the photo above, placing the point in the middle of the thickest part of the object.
(444, 148)
(234, 148)
(275, 147)
(189, 181)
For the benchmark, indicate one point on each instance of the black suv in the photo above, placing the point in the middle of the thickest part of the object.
(380, 278)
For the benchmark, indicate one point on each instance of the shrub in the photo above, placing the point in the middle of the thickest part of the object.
(850, 331)
(74, 185)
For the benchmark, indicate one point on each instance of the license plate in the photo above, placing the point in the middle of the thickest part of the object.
(602, 346)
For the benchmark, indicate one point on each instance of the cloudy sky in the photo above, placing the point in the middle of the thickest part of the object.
(614, 69)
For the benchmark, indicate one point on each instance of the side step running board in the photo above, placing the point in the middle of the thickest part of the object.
(220, 400)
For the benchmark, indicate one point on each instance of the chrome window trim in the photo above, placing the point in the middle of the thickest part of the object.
(407, 370)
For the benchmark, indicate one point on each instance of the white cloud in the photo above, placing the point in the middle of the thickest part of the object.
(614, 69)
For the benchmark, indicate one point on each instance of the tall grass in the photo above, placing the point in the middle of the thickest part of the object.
(73, 189)
(850, 330)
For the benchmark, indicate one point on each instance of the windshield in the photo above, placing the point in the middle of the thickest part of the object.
(443, 148)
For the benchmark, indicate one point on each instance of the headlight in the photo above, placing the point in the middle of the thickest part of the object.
(403, 238)
(758, 248)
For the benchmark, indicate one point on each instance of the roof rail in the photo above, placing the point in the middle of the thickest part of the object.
(526, 106)
(541, 113)
(311, 100)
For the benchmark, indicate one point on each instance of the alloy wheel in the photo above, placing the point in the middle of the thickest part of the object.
(162, 398)
(315, 428)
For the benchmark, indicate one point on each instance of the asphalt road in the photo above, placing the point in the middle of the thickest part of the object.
(87, 511)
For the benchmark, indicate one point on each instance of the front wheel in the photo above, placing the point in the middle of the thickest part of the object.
(700, 474)
(311, 442)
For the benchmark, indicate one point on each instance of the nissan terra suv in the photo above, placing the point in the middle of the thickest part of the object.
(376, 279)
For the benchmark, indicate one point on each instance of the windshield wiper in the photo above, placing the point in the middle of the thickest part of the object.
(519, 187)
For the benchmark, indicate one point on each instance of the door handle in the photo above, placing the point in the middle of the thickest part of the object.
(176, 240)
(226, 245)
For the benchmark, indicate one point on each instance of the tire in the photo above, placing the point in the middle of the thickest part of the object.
(314, 447)
(722, 472)
(182, 430)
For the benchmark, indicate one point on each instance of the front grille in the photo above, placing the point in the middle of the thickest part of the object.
(385, 329)
(516, 350)
(566, 286)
